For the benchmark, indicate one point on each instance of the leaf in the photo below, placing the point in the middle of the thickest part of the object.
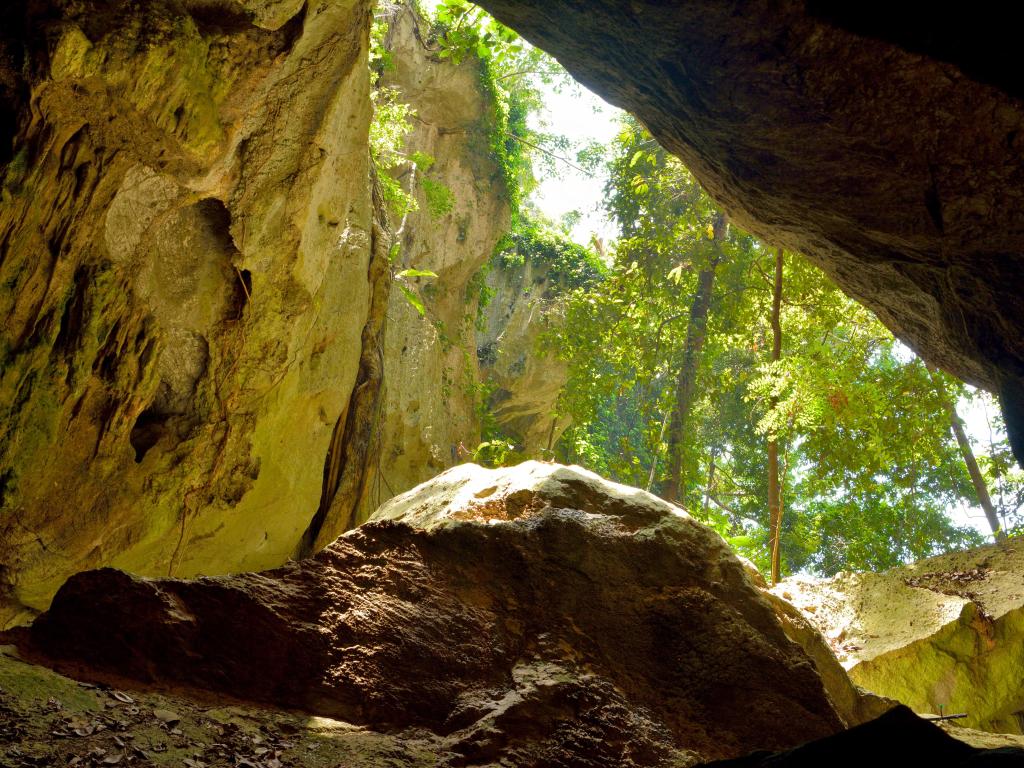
(416, 273)
(167, 716)
(415, 300)
(636, 157)
(121, 696)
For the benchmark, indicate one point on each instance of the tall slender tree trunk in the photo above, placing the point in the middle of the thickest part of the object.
(977, 479)
(774, 483)
(686, 379)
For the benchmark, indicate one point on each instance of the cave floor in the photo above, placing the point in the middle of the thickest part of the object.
(47, 719)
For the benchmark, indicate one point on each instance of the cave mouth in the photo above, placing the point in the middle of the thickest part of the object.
(528, 613)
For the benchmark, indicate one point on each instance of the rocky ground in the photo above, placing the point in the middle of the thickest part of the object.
(47, 719)
(530, 616)
(943, 635)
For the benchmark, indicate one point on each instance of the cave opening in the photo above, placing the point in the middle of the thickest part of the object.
(621, 475)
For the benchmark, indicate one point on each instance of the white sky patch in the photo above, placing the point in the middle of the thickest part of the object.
(583, 118)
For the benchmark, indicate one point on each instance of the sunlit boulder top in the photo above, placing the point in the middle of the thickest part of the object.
(472, 492)
(868, 615)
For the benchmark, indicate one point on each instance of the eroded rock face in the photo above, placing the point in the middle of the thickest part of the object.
(888, 152)
(524, 378)
(538, 615)
(186, 236)
(944, 634)
(431, 409)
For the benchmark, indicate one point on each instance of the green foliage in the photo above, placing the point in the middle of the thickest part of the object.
(403, 281)
(566, 265)
(509, 69)
(870, 468)
(440, 200)
(497, 453)
(388, 130)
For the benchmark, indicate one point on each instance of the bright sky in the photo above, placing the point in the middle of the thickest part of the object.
(583, 117)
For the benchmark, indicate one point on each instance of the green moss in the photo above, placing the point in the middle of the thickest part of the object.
(440, 200)
(971, 666)
(567, 265)
(29, 686)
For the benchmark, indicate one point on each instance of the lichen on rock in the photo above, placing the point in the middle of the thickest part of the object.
(186, 230)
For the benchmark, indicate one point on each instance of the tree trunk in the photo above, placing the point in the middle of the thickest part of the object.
(977, 479)
(709, 488)
(686, 380)
(774, 485)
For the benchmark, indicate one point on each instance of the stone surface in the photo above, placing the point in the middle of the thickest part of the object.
(431, 410)
(853, 704)
(897, 738)
(885, 146)
(536, 615)
(524, 379)
(185, 241)
(943, 634)
(195, 286)
(446, 368)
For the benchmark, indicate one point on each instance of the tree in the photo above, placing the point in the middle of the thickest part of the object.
(678, 382)
(774, 483)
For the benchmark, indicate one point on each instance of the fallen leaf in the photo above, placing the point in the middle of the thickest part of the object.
(122, 696)
(166, 716)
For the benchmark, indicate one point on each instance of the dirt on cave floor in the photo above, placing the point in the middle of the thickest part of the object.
(47, 719)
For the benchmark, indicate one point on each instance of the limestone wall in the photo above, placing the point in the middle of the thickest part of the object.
(184, 248)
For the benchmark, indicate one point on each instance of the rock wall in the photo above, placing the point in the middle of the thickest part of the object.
(202, 369)
(430, 413)
(185, 243)
(523, 380)
(944, 634)
(449, 366)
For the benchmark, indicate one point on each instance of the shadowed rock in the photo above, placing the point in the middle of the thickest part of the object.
(538, 614)
(896, 738)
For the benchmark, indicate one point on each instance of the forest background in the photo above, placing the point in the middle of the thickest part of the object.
(706, 366)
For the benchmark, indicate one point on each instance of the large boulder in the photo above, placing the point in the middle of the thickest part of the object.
(538, 615)
(943, 635)
(884, 145)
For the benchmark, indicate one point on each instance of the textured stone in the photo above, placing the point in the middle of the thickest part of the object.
(524, 379)
(537, 615)
(885, 146)
(431, 392)
(445, 369)
(185, 237)
(943, 634)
